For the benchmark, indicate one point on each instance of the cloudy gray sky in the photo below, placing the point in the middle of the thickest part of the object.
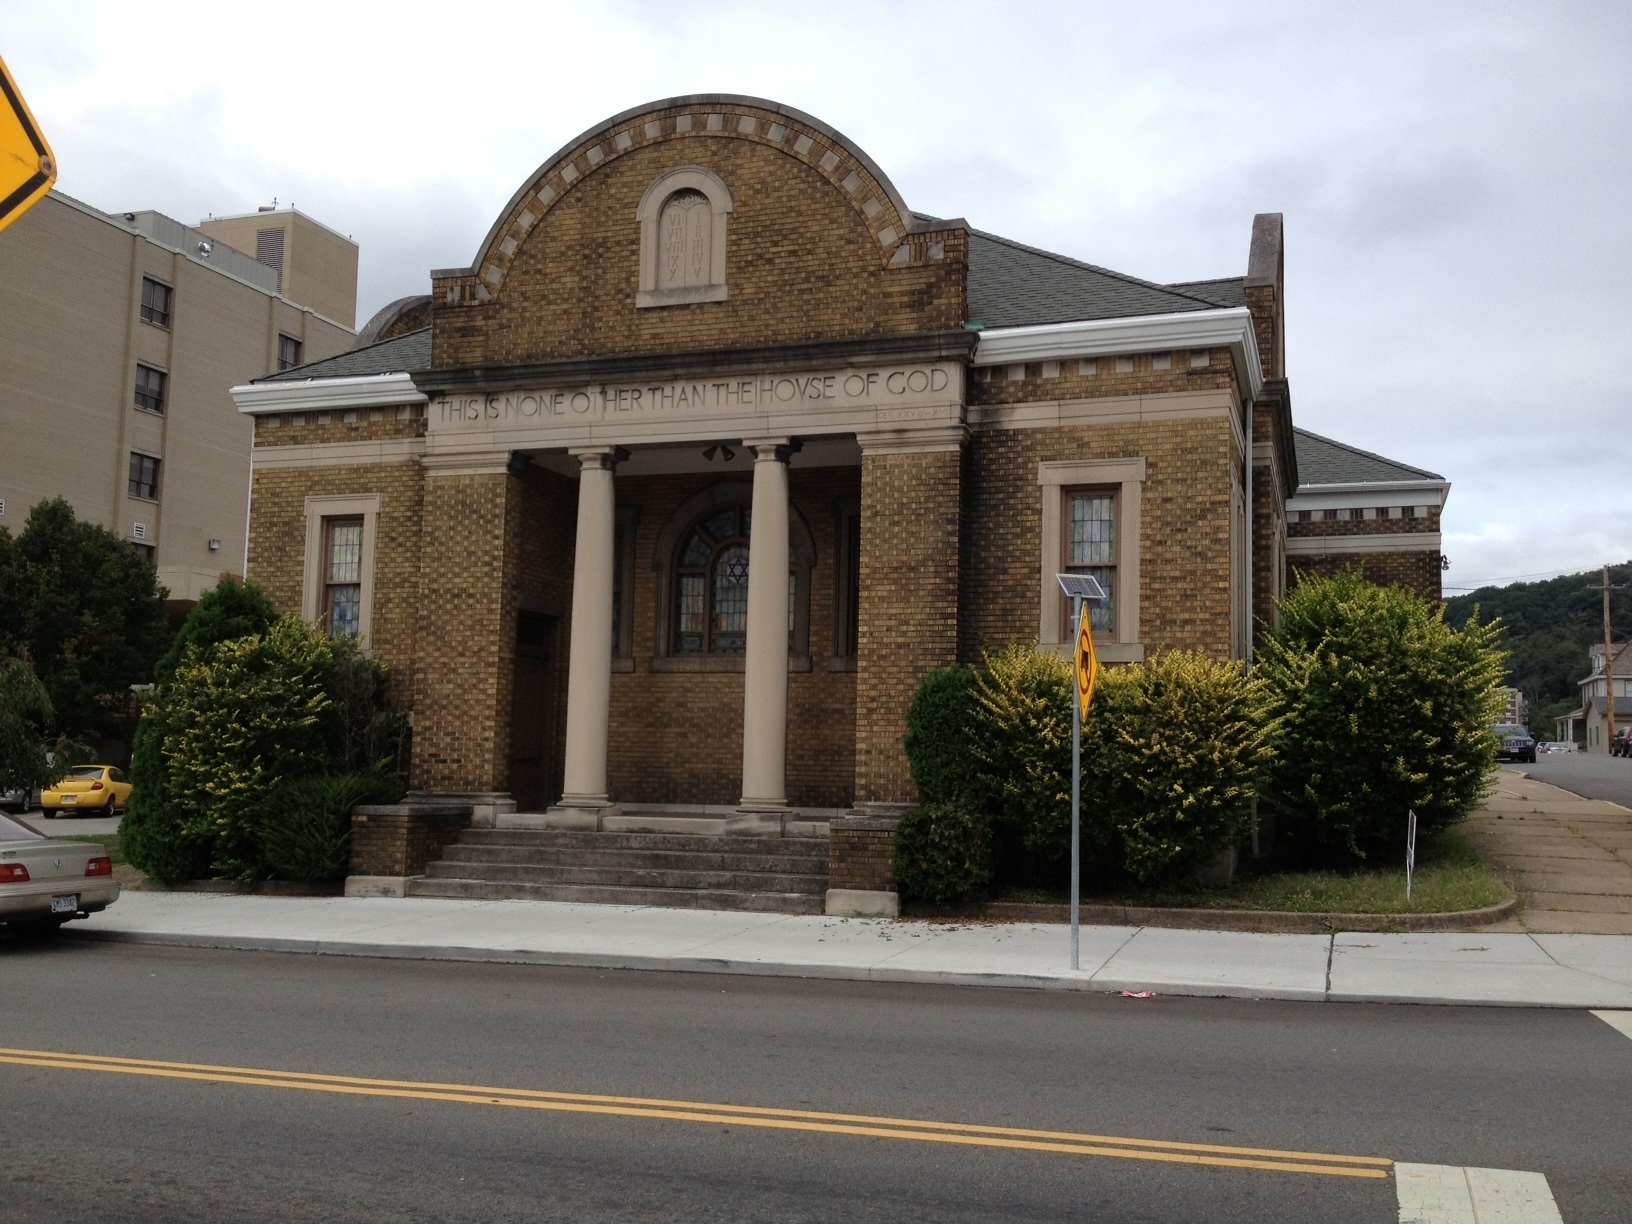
(1455, 177)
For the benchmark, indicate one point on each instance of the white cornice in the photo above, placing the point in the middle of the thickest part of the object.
(328, 394)
(1397, 541)
(1371, 493)
(1228, 327)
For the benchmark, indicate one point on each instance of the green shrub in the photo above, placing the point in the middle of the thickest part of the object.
(1173, 752)
(151, 831)
(305, 823)
(943, 854)
(229, 610)
(1384, 709)
(1020, 744)
(937, 740)
(25, 710)
(254, 713)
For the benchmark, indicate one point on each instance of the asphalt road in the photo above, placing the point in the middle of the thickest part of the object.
(1548, 1091)
(1595, 776)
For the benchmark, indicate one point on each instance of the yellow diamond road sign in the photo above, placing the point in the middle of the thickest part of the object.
(27, 168)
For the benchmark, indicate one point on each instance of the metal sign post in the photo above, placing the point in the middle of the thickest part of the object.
(1080, 588)
(1410, 850)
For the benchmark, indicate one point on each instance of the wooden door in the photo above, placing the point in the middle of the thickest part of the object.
(535, 767)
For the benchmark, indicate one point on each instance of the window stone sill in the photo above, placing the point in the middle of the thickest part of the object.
(717, 663)
(647, 298)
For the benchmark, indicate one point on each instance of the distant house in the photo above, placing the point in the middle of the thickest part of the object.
(1588, 725)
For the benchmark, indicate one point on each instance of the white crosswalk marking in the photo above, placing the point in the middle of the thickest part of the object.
(1446, 1194)
(1621, 1020)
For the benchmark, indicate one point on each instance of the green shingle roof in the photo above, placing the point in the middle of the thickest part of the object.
(399, 355)
(1014, 285)
(1323, 461)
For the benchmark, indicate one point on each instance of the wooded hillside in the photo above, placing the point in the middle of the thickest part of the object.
(1550, 625)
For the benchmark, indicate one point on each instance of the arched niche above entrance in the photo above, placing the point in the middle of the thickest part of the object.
(845, 168)
(739, 495)
(682, 219)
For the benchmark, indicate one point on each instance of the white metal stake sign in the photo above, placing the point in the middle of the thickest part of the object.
(1410, 850)
(1080, 587)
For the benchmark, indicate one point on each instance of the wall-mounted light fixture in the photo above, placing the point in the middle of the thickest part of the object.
(725, 453)
(215, 545)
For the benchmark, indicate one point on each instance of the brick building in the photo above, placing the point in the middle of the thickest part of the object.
(661, 508)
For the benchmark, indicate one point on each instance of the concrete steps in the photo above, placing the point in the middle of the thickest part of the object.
(677, 870)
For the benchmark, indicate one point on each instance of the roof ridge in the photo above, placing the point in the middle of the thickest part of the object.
(1078, 263)
(1355, 450)
(283, 375)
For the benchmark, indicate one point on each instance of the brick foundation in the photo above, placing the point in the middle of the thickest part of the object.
(399, 839)
(861, 854)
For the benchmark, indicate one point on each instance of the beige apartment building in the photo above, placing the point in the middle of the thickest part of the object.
(120, 338)
(316, 267)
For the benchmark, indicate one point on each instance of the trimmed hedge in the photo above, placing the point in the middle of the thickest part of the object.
(1385, 709)
(943, 854)
(305, 827)
(937, 741)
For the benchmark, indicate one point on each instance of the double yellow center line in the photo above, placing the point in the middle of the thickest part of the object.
(1014, 1138)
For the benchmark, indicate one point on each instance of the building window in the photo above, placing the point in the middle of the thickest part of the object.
(289, 350)
(623, 583)
(155, 302)
(682, 220)
(343, 576)
(144, 477)
(846, 577)
(337, 581)
(711, 616)
(146, 552)
(150, 388)
(1090, 525)
(1089, 518)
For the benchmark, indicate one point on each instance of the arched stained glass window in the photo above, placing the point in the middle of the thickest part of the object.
(711, 586)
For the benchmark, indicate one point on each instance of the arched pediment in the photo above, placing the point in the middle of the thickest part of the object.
(845, 167)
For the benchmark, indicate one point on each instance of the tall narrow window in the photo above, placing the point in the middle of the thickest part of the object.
(343, 575)
(847, 580)
(289, 350)
(711, 587)
(143, 481)
(150, 388)
(155, 302)
(1090, 548)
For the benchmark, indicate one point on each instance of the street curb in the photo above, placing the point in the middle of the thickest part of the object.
(1264, 921)
(924, 977)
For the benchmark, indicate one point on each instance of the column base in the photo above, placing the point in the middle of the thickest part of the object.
(580, 817)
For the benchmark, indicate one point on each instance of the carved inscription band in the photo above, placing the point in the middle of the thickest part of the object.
(693, 397)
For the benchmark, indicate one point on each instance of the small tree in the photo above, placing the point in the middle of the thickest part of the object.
(25, 709)
(253, 714)
(88, 610)
(1384, 709)
(151, 832)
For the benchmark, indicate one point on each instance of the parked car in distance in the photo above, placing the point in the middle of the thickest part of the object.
(100, 788)
(1514, 743)
(1551, 746)
(17, 801)
(1620, 746)
(45, 882)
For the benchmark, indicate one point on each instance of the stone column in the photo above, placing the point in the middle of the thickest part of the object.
(765, 683)
(589, 677)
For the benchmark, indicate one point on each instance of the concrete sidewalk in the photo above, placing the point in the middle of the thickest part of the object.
(1568, 857)
(1513, 969)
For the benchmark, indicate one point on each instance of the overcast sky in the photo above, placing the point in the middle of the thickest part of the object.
(1455, 178)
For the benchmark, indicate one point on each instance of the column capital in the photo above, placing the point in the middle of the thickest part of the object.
(603, 457)
(775, 449)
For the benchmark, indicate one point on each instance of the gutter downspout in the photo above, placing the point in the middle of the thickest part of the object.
(1247, 433)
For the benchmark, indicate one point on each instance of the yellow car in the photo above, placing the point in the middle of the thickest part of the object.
(98, 788)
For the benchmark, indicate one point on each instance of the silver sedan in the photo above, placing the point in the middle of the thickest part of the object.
(45, 882)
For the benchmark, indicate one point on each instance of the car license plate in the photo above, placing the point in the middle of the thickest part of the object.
(69, 800)
(65, 905)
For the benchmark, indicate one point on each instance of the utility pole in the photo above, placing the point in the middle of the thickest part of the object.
(1609, 663)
